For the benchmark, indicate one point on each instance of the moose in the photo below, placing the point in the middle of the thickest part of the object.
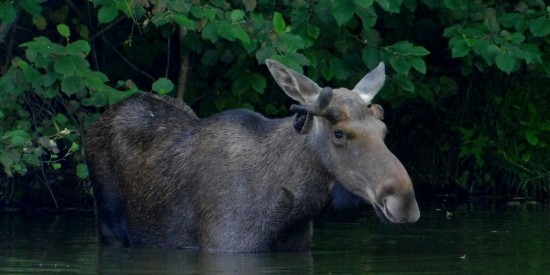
(238, 181)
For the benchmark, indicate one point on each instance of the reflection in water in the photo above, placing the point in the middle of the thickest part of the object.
(476, 238)
(174, 261)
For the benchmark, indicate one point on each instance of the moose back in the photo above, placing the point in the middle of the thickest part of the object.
(238, 181)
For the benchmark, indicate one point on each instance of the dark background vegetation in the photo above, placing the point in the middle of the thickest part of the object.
(466, 97)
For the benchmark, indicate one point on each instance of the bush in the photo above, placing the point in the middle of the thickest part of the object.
(466, 87)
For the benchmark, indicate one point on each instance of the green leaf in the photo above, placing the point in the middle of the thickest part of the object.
(531, 137)
(258, 83)
(490, 20)
(419, 50)
(418, 64)
(33, 158)
(210, 32)
(237, 15)
(82, 171)
(371, 56)
(291, 43)
(6, 160)
(163, 86)
(492, 48)
(51, 92)
(531, 53)
(456, 4)
(404, 83)
(508, 20)
(266, 52)
(184, 21)
(363, 4)
(64, 30)
(505, 62)
(279, 23)
(446, 86)
(31, 6)
(209, 13)
(71, 85)
(327, 72)
(17, 137)
(20, 168)
(340, 69)
(343, 11)
(210, 57)
(247, 105)
(289, 62)
(271, 110)
(400, 64)
(83, 31)
(241, 34)
(241, 84)
(395, 5)
(402, 47)
(64, 65)
(179, 6)
(385, 4)
(95, 80)
(56, 165)
(97, 99)
(74, 147)
(219, 103)
(368, 17)
(540, 27)
(460, 49)
(61, 119)
(232, 32)
(521, 24)
(107, 14)
(33, 76)
(516, 37)
(7, 13)
(80, 47)
(313, 31)
(250, 4)
(226, 31)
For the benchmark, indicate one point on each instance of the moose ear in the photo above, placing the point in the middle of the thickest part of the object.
(296, 85)
(376, 111)
(303, 119)
(371, 83)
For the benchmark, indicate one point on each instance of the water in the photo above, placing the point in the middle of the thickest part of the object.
(470, 238)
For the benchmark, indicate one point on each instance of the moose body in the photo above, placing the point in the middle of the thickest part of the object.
(238, 181)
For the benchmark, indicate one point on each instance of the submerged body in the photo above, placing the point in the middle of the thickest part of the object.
(235, 181)
(244, 202)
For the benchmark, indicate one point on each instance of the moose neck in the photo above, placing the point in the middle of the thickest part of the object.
(296, 151)
(273, 158)
(296, 159)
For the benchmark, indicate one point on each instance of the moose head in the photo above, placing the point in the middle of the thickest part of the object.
(347, 132)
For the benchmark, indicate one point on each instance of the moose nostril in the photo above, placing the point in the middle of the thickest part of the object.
(400, 208)
(389, 188)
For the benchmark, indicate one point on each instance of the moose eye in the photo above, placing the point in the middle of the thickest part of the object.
(338, 134)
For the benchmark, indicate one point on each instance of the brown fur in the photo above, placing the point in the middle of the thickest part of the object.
(235, 181)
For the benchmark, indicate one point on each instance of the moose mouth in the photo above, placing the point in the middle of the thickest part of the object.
(397, 210)
(383, 214)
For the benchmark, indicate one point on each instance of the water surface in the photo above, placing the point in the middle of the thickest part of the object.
(474, 238)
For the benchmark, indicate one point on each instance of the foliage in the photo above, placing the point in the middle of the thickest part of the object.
(457, 74)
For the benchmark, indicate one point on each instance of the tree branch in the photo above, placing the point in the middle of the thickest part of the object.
(6, 64)
(127, 60)
(100, 34)
(184, 68)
